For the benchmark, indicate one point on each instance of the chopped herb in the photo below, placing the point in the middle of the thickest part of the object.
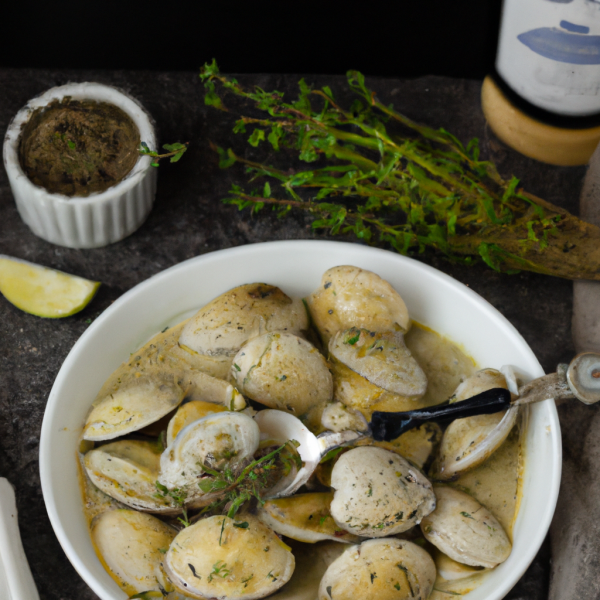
(219, 570)
(243, 525)
(370, 492)
(397, 586)
(466, 515)
(373, 577)
(322, 520)
(237, 367)
(163, 550)
(352, 337)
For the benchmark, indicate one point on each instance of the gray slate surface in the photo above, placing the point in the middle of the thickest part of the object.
(188, 220)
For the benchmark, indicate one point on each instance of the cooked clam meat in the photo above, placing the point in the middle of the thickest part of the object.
(224, 558)
(378, 493)
(384, 569)
(283, 371)
(218, 441)
(353, 297)
(132, 546)
(221, 327)
(465, 530)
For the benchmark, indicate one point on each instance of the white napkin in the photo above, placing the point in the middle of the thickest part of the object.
(16, 582)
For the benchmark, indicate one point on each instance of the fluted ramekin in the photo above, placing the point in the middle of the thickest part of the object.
(100, 218)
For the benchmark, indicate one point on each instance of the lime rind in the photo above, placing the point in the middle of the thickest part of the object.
(42, 291)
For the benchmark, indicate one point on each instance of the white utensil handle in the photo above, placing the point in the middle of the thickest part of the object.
(12, 556)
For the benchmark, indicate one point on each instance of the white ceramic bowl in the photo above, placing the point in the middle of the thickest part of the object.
(432, 297)
(98, 219)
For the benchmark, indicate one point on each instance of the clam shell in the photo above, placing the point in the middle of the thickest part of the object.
(221, 327)
(468, 442)
(188, 413)
(384, 569)
(382, 358)
(215, 559)
(465, 530)
(127, 471)
(134, 405)
(129, 545)
(304, 517)
(217, 441)
(284, 372)
(353, 297)
(378, 493)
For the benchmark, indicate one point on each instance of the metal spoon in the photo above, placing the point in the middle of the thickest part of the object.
(579, 379)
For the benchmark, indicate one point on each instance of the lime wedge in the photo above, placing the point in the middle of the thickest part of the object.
(42, 291)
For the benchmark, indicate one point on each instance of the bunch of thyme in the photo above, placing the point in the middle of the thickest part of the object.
(379, 175)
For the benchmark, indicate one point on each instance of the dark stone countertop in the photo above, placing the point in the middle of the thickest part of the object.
(188, 219)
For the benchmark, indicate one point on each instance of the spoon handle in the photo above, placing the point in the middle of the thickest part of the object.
(12, 556)
(387, 426)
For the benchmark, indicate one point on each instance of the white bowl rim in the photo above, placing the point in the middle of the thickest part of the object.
(534, 541)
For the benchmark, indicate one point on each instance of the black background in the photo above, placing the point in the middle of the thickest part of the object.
(400, 38)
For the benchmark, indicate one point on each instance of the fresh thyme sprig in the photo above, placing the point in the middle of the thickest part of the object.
(174, 152)
(385, 178)
(251, 482)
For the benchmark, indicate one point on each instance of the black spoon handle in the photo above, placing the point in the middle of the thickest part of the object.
(387, 426)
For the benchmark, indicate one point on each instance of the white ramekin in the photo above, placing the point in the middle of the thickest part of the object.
(98, 219)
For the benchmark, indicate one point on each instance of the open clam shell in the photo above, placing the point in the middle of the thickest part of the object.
(134, 405)
(223, 558)
(127, 471)
(218, 441)
(468, 442)
(131, 546)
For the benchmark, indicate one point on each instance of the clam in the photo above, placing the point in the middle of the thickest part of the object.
(284, 372)
(384, 569)
(468, 442)
(339, 417)
(220, 328)
(188, 413)
(352, 297)
(304, 517)
(131, 546)
(216, 442)
(127, 471)
(219, 557)
(134, 404)
(465, 530)
(378, 493)
(382, 358)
